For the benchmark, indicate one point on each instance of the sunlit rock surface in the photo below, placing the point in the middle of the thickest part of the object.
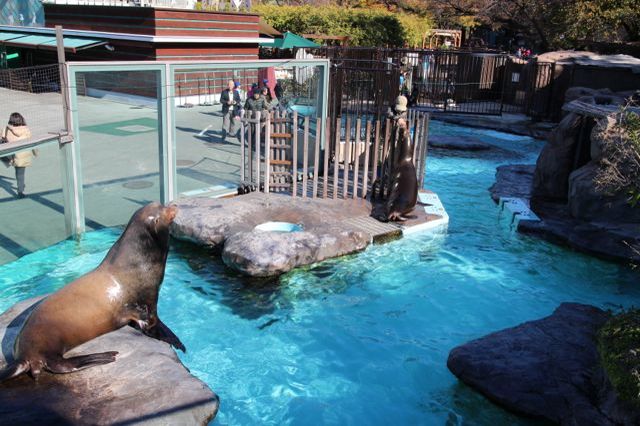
(227, 226)
(147, 384)
(548, 368)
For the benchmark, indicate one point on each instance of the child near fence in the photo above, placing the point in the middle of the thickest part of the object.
(17, 130)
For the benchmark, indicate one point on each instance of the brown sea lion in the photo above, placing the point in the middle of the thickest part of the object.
(122, 290)
(404, 182)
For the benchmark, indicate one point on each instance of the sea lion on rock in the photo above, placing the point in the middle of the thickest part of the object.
(404, 182)
(122, 290)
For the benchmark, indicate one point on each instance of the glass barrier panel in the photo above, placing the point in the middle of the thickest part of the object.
(34, 220)
(119, 136)
(208, 115)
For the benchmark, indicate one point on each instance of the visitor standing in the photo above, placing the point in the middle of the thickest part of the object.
(231, 106)
(15, 131)
(257, 103)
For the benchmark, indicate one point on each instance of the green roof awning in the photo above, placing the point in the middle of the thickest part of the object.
(48, 42)
(8, 35)
(289, 41)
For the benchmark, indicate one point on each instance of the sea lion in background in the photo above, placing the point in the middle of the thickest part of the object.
(404, 182)
(122, 290)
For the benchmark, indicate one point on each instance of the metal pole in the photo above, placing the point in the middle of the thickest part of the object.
(69, 153)
(166, 105)
(64, 79)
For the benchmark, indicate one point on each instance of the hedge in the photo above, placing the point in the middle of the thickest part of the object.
(619, 348)
(365, 27)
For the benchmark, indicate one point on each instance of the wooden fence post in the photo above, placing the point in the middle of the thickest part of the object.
(425, 149)
(327, 152)
(244, 129)
(256, 136)
(416, 138)
(242, 154)
(356, 158)
(336, 157)
(294, 160)
(347, 158)
(305, 157)
(386, 159)
(376, 153)
(316, 160)
(267, 150)
(365, 178)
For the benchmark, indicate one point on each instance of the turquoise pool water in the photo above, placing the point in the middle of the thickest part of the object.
(364, 339)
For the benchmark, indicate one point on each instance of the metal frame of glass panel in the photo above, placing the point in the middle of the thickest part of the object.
(70, 153)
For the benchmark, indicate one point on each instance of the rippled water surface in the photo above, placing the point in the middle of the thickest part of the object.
(363, 339)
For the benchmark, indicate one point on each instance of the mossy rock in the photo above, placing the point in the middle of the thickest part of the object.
(619, 348)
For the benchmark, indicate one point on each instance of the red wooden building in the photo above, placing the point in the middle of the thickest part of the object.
(140, 33)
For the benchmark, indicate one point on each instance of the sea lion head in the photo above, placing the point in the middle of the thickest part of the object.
(146, 237)
(156, 219)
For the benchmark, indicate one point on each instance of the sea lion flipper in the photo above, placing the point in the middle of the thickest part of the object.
(160, 331)
(14, 370)
(68, 365)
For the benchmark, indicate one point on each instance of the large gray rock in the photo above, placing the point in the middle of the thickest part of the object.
(551, 179)
(547, 368)
(227, 226)
(605, 128)
(577, 92)
(147, 384)
(619, 242)
(513, 180)
(260, 253)
(459, 143)
(589, 204)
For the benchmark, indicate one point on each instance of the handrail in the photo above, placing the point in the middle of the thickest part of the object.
(13, 147)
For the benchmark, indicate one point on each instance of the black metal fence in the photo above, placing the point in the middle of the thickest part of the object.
(362, 88)
(453, 81)
(528, 88)
(365, 80)
(34, 92)
(39, 79)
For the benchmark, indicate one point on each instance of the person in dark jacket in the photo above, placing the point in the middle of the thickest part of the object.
(257, 103)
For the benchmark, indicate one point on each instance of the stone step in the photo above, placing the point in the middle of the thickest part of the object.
(379, 231)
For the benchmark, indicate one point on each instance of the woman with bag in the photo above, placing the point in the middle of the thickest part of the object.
(15, 131)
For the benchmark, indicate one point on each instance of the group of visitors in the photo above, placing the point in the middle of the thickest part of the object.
(259, 98)
(15, 131)
(523, 53)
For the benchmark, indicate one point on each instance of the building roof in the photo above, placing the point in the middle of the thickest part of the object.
(591, 59)
(289, 41)
(134, 37)
(43, 41)
(266, 29)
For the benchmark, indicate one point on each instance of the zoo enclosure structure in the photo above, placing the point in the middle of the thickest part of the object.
(116, 135)
(285, 157)
(467, 82)
(433, 79)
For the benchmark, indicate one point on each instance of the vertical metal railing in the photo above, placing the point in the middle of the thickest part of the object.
(286, 157)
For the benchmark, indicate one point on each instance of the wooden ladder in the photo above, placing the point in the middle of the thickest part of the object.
(281, 157)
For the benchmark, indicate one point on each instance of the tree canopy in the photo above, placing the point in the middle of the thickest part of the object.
(545, 24)
(548, 24)
(364, 26)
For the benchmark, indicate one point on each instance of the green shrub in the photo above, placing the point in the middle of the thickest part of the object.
(619, 169)
(365, 27)
(619, 347)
